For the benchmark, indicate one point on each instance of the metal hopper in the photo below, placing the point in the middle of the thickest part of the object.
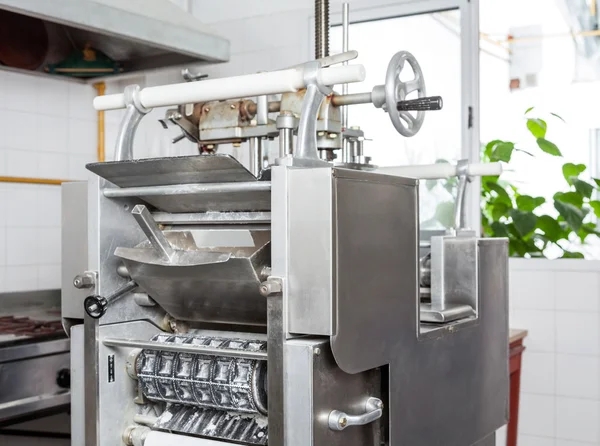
(193, 276)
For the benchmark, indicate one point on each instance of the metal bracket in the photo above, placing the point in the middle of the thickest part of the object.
(133, 115)
(460, 209)
(338, 421)
(307, 128)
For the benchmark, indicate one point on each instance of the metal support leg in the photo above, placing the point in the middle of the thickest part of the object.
(275, 370)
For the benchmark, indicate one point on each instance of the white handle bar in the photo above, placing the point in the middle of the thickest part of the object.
(248, 85)
(441, 170)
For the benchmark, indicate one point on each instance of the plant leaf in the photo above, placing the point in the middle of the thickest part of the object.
(583, 187)
(572, 170)
(524, 222)
(548, 147)
(550, 227)
(500, 210)
(559, 117)
(573, 198)
(503, 196)
(572, 255)
(595, 206)
(529, 109)
(502, 152)
(597, 181)
(572, 214)
(489, 147)
(537, 127)
(527, 203)
(499, 229)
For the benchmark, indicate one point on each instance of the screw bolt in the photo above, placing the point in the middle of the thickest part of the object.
(232, 106)
(317, 351)
(343, 421)
(84, 280)
(206, 109)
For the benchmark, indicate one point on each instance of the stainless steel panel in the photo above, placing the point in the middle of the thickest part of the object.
(74, 248)
(464, 365)
(376, 239)
(314, 386)
(454, 271)
(310, 247)
(33, 349)
(77, 386)
(275, 371)
(115, 402)
(29, 386)
(173, 170)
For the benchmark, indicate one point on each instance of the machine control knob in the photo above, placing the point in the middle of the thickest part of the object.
(95, 306)
(421, 104)
(63, 378)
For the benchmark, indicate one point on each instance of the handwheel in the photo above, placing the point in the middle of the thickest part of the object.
(396, 91)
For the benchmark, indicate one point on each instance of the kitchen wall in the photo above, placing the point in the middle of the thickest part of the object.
(47, 129)
(559, 303)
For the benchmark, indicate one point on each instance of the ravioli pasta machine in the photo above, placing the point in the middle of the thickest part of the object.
(292, 301)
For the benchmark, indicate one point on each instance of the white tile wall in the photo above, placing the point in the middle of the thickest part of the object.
(558, 301)
(47, 129)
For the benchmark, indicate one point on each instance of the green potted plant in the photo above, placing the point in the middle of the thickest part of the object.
(506, 211)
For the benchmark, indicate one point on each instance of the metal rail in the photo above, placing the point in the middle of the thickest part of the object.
(186, 348)
(183, 189)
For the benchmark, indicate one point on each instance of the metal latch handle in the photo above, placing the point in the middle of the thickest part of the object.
(338, 420)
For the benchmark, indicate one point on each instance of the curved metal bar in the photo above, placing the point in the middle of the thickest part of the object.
(133, 115)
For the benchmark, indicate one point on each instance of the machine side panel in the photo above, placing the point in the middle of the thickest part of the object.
(464, 365)
(376, 269)
(74, 252)
(310, 252)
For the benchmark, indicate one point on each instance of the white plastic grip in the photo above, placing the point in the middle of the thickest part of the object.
(441, 170)
(248, 85)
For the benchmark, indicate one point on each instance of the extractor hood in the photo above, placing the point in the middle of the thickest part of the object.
(139, 34)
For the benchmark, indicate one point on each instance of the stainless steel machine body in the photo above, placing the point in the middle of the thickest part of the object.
(294, 304)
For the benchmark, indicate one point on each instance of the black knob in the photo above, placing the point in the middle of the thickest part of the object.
(63, 378)
(95, 306)
(421, 104)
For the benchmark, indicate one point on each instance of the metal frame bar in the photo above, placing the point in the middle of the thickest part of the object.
(185, 348)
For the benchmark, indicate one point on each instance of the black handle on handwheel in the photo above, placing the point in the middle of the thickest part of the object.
(421, 104)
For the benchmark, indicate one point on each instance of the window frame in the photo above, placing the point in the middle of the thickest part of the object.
(469, 24)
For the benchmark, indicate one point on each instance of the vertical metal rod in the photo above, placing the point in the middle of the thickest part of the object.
(285, 142)
(321, 28)
(345, 43)
(262, 110)
(157, 238)
(256, 156)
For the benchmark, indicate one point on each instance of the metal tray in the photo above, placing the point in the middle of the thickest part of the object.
(144, 178)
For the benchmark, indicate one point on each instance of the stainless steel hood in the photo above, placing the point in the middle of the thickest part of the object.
(140, 34)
